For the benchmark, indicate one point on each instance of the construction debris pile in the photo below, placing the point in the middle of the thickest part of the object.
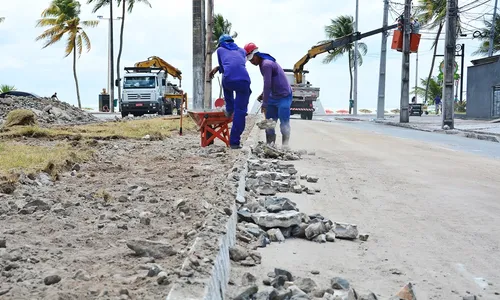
(281, 284)
(265, 218)
(47, 110)
(77, 238)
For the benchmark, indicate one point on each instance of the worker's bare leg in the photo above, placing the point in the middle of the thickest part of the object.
(284, 117)
(271, 114)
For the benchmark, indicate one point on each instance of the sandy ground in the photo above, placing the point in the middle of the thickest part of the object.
(77, 229)
(434, 221)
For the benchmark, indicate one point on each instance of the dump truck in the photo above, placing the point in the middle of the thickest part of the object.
(147, 90)
(304, 94)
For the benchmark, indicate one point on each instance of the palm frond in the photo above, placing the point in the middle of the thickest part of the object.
(131, 4)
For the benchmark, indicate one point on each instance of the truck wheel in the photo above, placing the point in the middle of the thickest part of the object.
(124, 113)
(162, 110)
(303, 116)
(168, 109)
(310, 115)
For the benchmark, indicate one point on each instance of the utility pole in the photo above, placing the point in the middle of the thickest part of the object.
(208, 60)
(111, 63)
(110, 58)
(355, 83)
(492, 31)
(416, 75)
(404, 116)
(449, 62)
(198, 53)
(383, 65)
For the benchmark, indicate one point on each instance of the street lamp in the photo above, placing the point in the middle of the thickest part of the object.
(111, 86)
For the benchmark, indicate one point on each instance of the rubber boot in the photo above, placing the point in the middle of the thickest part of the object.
(284, 142)
(270, 139)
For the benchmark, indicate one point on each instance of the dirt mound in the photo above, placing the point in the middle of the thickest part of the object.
(47, 110)
(19, 117)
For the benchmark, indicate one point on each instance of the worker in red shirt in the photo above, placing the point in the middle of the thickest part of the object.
(277, 93)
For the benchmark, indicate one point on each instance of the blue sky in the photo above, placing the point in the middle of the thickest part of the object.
(165, 31)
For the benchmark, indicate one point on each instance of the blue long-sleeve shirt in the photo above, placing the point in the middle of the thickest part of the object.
(276, 85)
(232, 64)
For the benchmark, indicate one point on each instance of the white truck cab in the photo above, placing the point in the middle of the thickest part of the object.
(143, 91)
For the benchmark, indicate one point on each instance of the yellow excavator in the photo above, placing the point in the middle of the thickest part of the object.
(147, 90)
(304, 94)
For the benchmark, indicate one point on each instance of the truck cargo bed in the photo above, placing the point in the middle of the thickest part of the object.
(305, 93)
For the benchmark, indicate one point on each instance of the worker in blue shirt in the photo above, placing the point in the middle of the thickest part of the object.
(235, 79)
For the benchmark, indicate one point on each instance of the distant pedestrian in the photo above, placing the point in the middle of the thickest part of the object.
(437, 103)
(54, 97)
(414, 100)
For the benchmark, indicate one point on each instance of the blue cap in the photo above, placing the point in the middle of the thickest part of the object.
(225, 38)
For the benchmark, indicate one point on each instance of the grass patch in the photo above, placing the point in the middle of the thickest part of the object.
(16, 157)
(19, 117)
(157, 128)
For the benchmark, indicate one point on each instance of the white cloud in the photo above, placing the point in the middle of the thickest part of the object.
(286, 29)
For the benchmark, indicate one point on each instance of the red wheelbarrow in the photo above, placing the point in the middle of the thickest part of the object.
(212, 125)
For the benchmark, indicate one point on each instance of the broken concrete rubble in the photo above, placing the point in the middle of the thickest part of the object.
(282, 284)
(47, 110)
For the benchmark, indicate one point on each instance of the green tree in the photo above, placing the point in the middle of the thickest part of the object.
(4, 88)
(339, 27)
(221, 26)
(62, 18)
(435, 88)
(485, 41)
(2, 19)
(126, 5)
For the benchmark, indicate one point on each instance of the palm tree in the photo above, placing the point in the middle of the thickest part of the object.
(485, 38)
(435, 88)
(62, 18)
(432, 13)
(130, 7)
(4, 88)
(339, 27)
(221, 26)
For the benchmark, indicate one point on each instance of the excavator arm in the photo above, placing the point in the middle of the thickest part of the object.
(298, 68)
(157, 62)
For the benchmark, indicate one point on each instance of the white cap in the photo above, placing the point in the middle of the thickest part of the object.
(251, 54)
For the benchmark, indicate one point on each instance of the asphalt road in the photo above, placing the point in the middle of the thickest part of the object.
(429, 202)
(438, 140)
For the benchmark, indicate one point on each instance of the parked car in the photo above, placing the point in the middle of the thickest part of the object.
(19, 94)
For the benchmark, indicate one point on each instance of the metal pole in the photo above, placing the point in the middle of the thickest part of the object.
(355, 83)
(198, 53)
(462, 74)
(111, 73)
(109, 57)
(449, 60)
(208, 61)
(416, 77)
(492, 31)
(383, 65)
(404, 116)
